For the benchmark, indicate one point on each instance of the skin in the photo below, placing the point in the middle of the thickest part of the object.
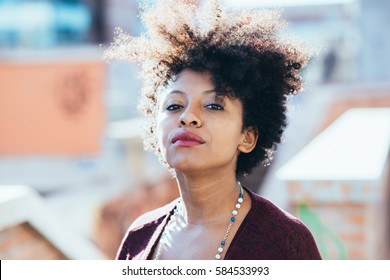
(205, 170)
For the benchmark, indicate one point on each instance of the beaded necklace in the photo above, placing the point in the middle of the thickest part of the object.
(177, 222)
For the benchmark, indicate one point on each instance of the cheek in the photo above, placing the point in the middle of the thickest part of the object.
(162, 132)
(229, 133)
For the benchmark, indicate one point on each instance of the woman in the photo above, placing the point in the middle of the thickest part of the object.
(215, 87)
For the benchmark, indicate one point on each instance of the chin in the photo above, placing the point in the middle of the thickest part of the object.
(184, 166)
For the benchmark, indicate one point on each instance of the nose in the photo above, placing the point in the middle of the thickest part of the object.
(190, 119)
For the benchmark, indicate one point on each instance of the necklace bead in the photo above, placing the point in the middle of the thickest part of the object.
(232, 220)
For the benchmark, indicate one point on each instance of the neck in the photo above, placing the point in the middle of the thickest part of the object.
(206, 199)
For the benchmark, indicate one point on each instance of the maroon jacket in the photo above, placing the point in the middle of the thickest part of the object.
(267, 233)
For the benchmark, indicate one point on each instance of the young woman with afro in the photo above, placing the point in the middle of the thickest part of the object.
(215, 85)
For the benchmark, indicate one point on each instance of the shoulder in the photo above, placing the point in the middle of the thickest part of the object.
(283, 228)
(266, 208)
(142, 232)
(152, 216)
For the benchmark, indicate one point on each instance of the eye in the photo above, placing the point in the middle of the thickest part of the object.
(214, 106)
(173, 107)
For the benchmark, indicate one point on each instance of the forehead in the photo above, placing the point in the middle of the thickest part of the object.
(188, 75)
(191, 81)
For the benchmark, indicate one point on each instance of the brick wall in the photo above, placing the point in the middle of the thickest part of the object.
(349, 220)
(339, 229)
(23, 242)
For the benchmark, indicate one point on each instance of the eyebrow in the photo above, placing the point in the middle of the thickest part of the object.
(182, 92)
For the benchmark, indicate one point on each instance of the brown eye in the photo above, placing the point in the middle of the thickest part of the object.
(173, 107)
(214, 106)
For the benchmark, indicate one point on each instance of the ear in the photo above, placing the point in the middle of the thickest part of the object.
(249, 140)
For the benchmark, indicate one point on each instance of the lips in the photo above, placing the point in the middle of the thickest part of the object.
(187, 139)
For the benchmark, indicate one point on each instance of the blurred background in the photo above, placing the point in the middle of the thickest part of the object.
(73, 173)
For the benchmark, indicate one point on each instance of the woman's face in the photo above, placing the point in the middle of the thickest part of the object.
(197, 130)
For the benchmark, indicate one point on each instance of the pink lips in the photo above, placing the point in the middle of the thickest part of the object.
(186, 139)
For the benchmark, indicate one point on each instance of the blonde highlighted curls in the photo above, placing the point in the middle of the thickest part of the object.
(241, 49)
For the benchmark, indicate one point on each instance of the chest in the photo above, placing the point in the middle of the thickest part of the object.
(198, 242)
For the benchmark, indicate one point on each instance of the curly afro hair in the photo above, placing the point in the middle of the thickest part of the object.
(241, 49)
